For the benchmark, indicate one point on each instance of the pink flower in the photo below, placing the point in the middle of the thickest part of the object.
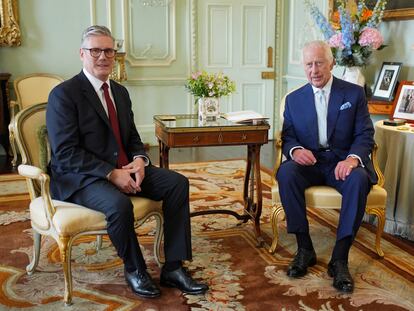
(336, 41)
(370, 37)
(195, 75)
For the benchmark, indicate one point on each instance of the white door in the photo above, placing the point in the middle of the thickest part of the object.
(236, 37)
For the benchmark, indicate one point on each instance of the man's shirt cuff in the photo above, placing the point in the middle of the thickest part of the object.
(146, 160)
(356, 157)
(293, 149)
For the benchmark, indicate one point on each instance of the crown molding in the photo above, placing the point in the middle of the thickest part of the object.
(143, 58)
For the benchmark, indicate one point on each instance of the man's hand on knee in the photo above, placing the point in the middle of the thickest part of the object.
(345, 167)
(122, 179)
(303, 157)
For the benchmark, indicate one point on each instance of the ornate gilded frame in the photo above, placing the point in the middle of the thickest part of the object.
(395, 9)
(9, 23)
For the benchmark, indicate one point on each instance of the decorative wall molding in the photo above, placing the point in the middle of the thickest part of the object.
(256, 89)
(109, 13)
(155, 82)
(302, 28)
(254, 17)
(92, 11)
(193, 35)
(140, 46)
(279, 60)
(219, 21)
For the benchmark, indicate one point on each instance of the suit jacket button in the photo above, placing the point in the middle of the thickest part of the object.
(115, 154)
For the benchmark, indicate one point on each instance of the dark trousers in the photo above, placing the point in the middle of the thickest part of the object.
(293, 179)
(158, 184)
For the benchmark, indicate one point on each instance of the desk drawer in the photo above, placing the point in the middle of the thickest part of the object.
(218, 138)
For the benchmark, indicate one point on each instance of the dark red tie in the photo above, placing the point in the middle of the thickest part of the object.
(122, 157)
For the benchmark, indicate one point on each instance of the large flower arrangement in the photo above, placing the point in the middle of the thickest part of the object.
(203, 84)
(352, 33)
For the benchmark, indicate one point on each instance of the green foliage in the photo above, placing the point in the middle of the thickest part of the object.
(203, 84)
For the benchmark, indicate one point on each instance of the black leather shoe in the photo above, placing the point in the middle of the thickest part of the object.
(181, 279)
(142, 284)
(342, 279)
(304, 258)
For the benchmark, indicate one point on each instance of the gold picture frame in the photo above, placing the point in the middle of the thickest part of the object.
(399, 10)
(395, 9)
(403, 106)
(9, 23)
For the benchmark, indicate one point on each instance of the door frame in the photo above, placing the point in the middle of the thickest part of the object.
(193, 62)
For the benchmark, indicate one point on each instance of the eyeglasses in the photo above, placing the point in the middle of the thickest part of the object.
(95, 52)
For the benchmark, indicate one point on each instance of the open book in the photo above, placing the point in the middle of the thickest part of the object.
(244, 116)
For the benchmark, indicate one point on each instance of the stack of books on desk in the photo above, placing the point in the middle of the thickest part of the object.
(244, 116)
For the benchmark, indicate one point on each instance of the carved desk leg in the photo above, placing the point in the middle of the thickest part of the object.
(163, 151)
(252, 189)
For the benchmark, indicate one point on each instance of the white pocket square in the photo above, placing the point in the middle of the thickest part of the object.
(345, 106)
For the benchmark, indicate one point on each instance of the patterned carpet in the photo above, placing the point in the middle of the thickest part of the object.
(241, 276)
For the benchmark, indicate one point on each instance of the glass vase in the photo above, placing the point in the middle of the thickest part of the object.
(354, 75)
(208, 109)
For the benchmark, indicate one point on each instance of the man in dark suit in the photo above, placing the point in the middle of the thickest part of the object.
(327, 139)
(98, 160)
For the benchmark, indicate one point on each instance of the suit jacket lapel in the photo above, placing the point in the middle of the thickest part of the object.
(310, 111)
(335, 101)
(90, 94)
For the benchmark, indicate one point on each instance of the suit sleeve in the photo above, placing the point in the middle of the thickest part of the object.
(64, 136)
(363, 130)
(288, 131)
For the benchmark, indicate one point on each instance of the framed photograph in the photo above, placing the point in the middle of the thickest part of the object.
(386, 81)
(403, 107)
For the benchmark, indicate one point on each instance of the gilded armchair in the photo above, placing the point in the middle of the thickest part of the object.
(328, 198)
(64, 221)
(29, 89)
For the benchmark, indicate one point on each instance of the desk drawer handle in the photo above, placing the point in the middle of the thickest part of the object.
(243, 137)
(220, 138)
(196, 139)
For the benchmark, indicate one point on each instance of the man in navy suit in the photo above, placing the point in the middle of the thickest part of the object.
(98, 161)
(327, 139)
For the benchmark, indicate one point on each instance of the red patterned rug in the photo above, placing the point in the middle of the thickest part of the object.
(241, 276)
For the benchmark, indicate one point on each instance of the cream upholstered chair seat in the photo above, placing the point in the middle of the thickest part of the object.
(328, 197)
(70, 219)
(29, 89)
(64, 221)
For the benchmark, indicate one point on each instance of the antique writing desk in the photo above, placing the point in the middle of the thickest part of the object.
(174, 131)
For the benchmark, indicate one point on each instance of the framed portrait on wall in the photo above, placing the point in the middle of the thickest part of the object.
(403, 107)
(387, 80)
(394, 9)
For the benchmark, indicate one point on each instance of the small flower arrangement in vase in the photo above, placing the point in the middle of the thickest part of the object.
(207, 89)
(352, 33)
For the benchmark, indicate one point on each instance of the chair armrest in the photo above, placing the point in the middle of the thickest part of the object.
(33, 172)
(381, 178)
(14, 108)
(278, 155)
(29, 171)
